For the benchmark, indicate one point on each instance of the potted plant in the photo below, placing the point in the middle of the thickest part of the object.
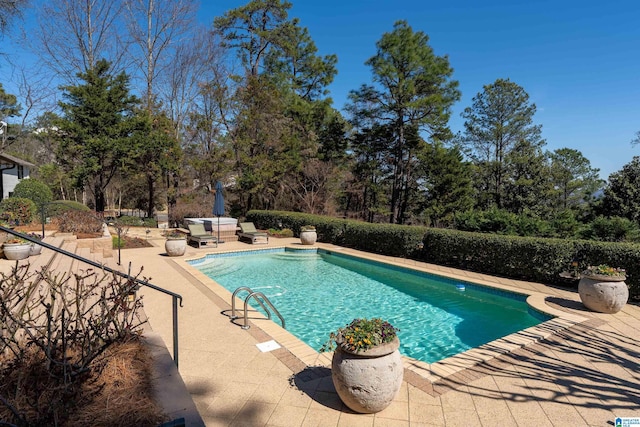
(366, 367)
(35, 248)
(602, 288)
(16, 248)
(308, 235)
(176, 243)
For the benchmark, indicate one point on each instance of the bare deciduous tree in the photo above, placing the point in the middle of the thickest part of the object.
(72, 36)
(156, 28)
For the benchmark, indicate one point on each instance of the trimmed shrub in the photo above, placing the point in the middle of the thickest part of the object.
(34, 190)
(79, 222)
(387, 239)
(59, 207)
(17, 210)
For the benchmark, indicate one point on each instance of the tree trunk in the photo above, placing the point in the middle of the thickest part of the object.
(151, 189)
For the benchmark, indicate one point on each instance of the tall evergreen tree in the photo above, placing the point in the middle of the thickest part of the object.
(97, 128)
(499, 120)
(574, 180)
(445, 183)
(622, 193)
(413, 92)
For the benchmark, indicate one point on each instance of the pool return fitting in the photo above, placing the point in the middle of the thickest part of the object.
(260, 298)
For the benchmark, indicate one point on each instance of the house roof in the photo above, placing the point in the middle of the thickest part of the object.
(6, 158)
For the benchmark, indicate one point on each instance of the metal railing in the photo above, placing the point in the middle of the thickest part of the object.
(175, 297)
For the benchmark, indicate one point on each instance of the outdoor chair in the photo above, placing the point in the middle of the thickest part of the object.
(199, 235)
(248, 232)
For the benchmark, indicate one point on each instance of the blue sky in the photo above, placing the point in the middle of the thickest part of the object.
(579, 61)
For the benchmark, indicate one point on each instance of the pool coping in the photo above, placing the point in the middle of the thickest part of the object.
(458, 369)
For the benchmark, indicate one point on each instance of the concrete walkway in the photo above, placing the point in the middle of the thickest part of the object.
(583, 371)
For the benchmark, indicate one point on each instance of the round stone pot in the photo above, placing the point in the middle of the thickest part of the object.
(175, 247)
(35, 249)
(368, 381)
(604, 294)
(16, 251)
(308, 237)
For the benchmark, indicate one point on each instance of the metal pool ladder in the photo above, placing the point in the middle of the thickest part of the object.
(256, 296)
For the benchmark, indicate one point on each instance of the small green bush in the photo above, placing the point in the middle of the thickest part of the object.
(17, 210)
(134, 221)
(614, 229)
(34, 190)
(118, 243)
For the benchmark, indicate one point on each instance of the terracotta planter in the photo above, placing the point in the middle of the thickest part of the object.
(308, 237)
(16, 251)
(604, 294)
(175, 247)
(35, 249)
(368, 381)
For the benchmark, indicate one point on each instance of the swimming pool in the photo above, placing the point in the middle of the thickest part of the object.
(318, 291)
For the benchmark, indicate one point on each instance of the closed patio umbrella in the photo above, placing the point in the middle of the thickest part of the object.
(218, 206)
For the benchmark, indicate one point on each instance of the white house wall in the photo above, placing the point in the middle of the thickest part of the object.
(10, 180)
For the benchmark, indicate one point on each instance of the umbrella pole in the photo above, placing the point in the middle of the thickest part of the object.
(218, 241)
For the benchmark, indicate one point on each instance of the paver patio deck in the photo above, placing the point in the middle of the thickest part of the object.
(585, 374)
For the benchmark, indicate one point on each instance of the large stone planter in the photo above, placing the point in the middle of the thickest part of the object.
(604, 294)
(16, 251)
(308, 237)
(368, 381)
(175, 247)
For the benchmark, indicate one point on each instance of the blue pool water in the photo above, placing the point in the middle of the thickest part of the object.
(319, 291)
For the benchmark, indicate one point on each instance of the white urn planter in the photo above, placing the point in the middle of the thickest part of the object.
(175, 247)
(367, 381)
(35, 249)
(308, 237)
(16, 251)
(604, 294)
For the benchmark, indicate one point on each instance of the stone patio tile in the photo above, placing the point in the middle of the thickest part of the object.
(355, 420)
(287, 415)
(427, 414)
(294, 397)
(461, 417)
(397, 410)
(254, 413)
(320, 418)
(386, 422)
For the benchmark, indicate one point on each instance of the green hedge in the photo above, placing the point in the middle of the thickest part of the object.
(526, 258)
(387, 239)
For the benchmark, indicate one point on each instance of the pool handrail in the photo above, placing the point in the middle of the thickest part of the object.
(256, 295)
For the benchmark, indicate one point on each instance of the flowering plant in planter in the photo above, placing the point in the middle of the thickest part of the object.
(308, 228)
(35, 236)
(361, 334)
(604, 270)
(15, 240)
(175, 234)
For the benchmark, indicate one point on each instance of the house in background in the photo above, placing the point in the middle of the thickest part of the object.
(12, 171)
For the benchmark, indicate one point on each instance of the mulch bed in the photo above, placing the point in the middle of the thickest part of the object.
(134, 243)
